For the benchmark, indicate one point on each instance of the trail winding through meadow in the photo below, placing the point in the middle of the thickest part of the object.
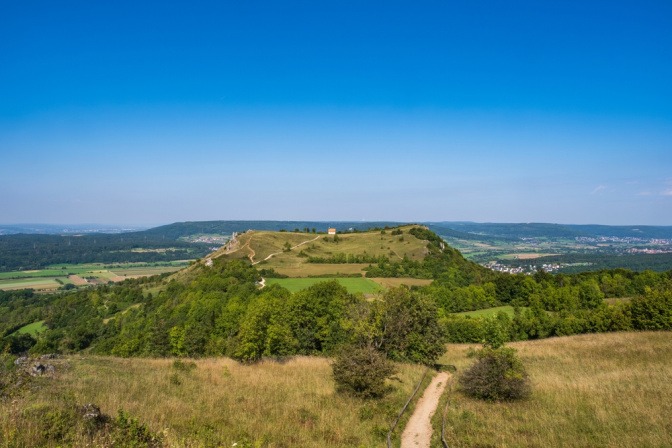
(278, 253)
(418, 431)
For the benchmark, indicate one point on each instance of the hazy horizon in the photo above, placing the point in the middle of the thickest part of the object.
(136, 226)
(363, 111)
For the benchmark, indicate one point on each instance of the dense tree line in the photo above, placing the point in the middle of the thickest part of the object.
(561, 305)
(220, 310)
(582, 262)
(23, 252)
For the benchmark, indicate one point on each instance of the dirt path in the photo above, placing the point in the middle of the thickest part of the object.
(418, 431)
(278, 253)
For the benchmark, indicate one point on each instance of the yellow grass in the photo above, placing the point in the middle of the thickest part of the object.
(221, 402)
(258, 245)
(394, 282)
(606, 390)
(287, 267)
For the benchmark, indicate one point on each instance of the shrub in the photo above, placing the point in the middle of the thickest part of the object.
(653, 310)
(130, 432)
(498, 375)
(362, 372)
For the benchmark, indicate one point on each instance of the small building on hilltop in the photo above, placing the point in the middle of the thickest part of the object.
(331, 231)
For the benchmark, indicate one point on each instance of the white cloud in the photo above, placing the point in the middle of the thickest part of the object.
(599, 189)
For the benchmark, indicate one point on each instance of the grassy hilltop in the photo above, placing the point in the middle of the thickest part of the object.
(308, 254)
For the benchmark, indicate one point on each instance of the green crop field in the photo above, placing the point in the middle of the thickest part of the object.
(353, 285)
(33, 274)
(30, 283)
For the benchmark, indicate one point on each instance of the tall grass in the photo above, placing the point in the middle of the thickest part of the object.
(603, 390)
(220, 402)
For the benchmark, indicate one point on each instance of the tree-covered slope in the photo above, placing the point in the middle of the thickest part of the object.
(218, 307)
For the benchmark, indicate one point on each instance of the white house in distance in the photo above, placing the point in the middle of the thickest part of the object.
(331, 231)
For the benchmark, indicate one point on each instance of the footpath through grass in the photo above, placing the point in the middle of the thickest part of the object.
(353, 284)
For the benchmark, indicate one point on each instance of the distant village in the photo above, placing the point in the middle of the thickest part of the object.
(528, 269)
(624, 240)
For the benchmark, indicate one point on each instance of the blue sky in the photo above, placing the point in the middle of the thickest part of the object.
(486, 111)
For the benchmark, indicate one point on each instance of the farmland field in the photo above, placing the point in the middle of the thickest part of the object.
(81, 274)
(30, 283)
(353, 285)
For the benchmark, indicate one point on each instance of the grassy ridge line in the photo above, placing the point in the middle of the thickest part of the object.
(607, 390)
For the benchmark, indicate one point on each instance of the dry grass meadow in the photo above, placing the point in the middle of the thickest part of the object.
(219, 402)
(601, 390)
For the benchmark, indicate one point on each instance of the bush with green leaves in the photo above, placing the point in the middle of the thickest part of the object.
(497, 375)
(362, 371)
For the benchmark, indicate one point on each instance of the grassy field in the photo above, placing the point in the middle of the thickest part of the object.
(217, 403)
(508, 309)
(353, 285)
(39, 283)
(606, 390)
(294, 268)
(57, 275)
(32, 329)
(259, 245)
(394, 282)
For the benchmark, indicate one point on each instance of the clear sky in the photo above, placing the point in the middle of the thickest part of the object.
(131, 112)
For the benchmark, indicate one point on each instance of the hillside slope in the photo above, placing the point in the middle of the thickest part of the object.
(307, 254)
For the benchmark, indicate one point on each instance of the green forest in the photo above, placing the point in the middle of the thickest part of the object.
(220, 310)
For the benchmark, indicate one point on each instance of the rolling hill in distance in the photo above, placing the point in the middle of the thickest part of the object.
(576, 247)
